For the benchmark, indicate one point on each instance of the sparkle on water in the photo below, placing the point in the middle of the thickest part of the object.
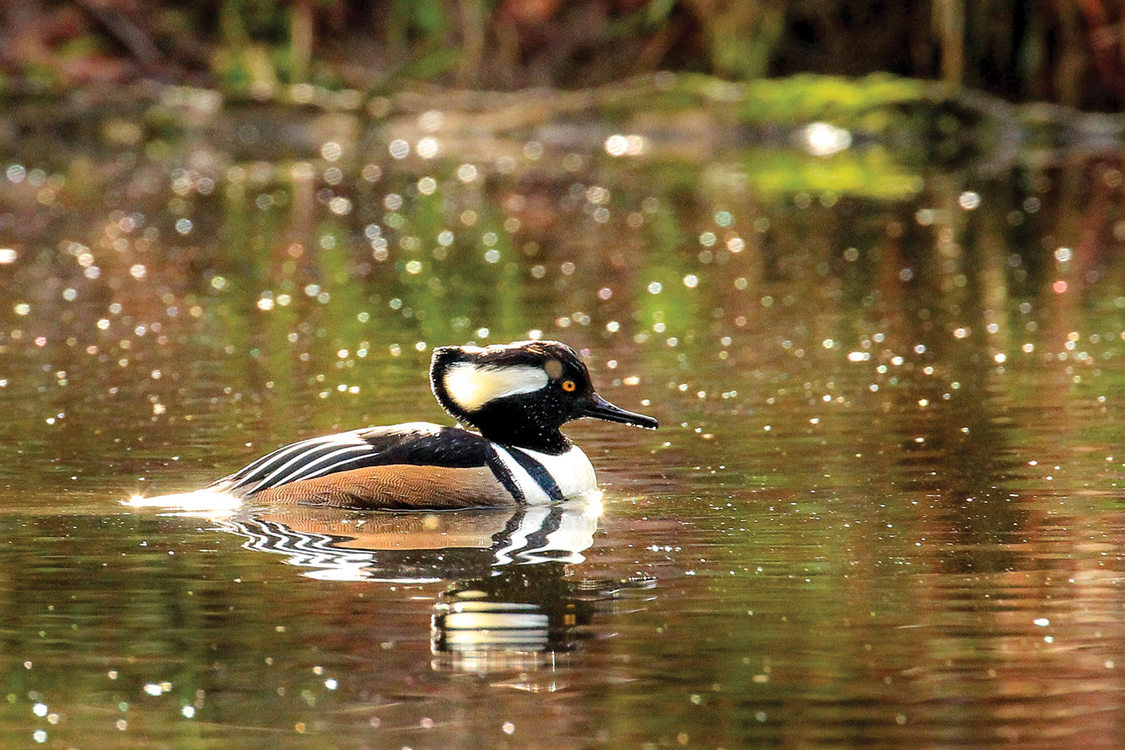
(883, 507)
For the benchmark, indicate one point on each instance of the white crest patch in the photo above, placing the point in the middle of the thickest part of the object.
(472, 386)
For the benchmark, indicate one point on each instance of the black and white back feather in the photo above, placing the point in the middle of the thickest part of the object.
(416, 443)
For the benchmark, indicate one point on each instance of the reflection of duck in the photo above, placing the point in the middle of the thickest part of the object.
(522, 618)
(512, 602)
(517, 395)
(349, 545)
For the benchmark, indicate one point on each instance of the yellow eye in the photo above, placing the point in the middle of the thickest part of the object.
(569, 386)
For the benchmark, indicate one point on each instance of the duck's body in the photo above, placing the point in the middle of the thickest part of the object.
(412, 465)
(517, 395)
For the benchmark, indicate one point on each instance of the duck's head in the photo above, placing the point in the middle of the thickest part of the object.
(521, 393)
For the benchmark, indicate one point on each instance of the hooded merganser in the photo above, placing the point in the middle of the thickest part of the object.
(516, 395)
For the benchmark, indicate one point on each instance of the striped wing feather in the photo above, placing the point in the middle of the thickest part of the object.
(416, 465)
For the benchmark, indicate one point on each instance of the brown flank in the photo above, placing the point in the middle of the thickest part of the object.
(394, 486)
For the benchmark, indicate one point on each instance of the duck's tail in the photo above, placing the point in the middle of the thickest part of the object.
(209, 500)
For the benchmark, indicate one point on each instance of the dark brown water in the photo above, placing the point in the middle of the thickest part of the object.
(884, 507)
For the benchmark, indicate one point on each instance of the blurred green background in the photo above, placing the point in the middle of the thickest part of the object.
(1063, 51)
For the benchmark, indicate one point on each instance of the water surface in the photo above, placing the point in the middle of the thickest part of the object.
(883, 508)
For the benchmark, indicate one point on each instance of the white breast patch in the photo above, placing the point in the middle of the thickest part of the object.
(572, 472)
(472, 386)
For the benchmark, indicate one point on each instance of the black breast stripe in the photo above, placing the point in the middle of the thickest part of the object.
(537, 471)
(504, 476)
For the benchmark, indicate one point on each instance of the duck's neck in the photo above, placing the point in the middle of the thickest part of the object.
(551, 442)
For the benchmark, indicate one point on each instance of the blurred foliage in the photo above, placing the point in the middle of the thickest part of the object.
(1069, 53)
(867, 173)
(851, 103)
(861, 103)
